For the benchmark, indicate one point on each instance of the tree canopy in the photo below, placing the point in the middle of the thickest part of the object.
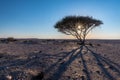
(77, 26)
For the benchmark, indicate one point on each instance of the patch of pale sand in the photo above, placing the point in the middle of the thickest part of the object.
(22, 57)
(33, 72)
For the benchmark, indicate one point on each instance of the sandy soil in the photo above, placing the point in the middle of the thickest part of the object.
(59, 60)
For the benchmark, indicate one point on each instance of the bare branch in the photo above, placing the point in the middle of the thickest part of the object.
(77, 26)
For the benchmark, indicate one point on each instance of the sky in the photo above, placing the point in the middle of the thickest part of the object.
(36, 18)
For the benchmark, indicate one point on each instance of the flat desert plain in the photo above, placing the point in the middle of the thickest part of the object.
(40, 59)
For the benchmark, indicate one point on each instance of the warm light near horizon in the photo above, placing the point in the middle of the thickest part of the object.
(15, 21)
(79, 27)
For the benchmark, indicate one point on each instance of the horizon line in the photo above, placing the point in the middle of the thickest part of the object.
(63, 38)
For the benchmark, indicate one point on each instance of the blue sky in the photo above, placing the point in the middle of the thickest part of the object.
(36, 18)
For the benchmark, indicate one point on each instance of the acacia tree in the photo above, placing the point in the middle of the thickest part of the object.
(77, 26)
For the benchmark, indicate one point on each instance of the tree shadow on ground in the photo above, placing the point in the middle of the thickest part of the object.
(62, 64)
(102, 61)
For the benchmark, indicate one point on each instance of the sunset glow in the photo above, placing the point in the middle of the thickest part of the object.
(36, 18)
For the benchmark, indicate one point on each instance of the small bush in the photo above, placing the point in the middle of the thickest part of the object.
(29, 42)
(90, 44)
(7, 40)
(98, 45)
(11, 39)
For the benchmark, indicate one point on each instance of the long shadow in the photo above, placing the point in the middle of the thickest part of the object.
(85, 66)
(60, 60)
(113, 65)
(100, 60)
(63, 67)
(108, 61)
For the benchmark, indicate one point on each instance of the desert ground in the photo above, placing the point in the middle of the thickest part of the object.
(41, 59)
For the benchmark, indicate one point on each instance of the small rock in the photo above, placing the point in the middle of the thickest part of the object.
(9, 77)
(68, 77)
(98, 72)
(60, 59)
(40, 51)
(98, 45)
(99, 64)
(107, 66)
(79, 61)
(82, 77)
(84, 70)
(112, 68)
(62, 62)
(40, 76)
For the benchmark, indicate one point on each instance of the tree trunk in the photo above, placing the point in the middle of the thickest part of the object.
(81, 42)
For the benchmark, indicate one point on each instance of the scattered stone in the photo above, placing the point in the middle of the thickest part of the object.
(62, 62)
(40, 76)
(112, 68)
(98, 45)
(82, 77)
(40, 51)
(60, 59)
(106, 66)
(99, 64)
(9, 77)
(91, 44)
(98, 72)
(84, 70)
(68, 77)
